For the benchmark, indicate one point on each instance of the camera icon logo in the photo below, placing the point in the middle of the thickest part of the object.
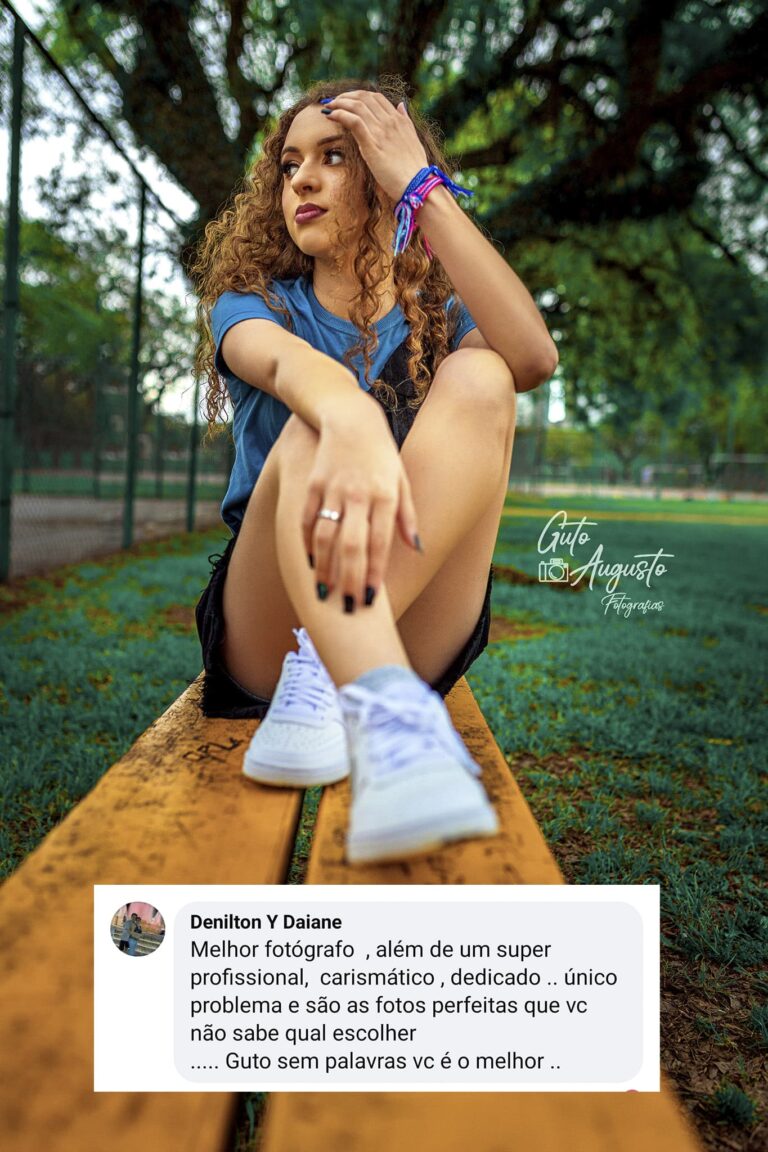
(553, 571)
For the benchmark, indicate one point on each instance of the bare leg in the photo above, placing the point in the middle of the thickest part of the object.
(457, 456)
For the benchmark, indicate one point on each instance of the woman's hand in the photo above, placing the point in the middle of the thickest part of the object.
(359, 474)
(385, 136)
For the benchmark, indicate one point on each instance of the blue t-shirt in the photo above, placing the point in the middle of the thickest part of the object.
(258, 418)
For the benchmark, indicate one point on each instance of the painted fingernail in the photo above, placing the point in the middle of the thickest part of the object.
(327, 99)
(326, 111)
(349, 603)
(369, 595)
(311, 560)
(417, 542)
(322, 591)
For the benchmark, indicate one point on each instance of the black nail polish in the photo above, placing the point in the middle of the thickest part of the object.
(369, 595)
(326, 111)
(311, 560)
(322, 591)
(417, 542)
(349, 603)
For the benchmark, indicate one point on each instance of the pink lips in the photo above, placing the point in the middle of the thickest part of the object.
(309, 213)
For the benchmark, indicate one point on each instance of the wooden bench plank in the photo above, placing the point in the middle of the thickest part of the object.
(176, 809)
(482, 1122)
(448, 1122)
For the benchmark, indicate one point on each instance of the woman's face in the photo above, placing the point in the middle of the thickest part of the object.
(316, 170)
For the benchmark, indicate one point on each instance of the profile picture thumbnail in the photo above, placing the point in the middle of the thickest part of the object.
(137, 929)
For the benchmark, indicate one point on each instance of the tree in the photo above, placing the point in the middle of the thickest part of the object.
(75, 338)
(577, 111)
(655, 331)
(613, 147)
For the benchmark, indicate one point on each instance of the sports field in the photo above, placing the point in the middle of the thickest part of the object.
(636, 735)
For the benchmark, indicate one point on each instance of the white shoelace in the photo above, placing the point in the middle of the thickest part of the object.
(307, 690)
(386, 716)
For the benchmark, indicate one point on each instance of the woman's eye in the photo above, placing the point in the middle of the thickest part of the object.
(285, 168)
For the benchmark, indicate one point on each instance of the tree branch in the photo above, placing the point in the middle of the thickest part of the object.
(565, 197)
(413, 22)
(165, 60)
(709, 235)
(738, 66)
(243, 90)
(739, 148)
(77, 21)
(453, 107)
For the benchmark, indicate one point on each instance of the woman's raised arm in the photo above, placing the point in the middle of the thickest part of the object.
(500, 304)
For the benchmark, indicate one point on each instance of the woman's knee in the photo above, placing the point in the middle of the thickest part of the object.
(479, 381)
(296, 443)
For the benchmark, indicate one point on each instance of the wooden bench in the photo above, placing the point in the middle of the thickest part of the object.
(176, 809)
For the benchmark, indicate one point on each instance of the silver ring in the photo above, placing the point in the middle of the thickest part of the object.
(329, 514)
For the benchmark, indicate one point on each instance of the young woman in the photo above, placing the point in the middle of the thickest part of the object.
(373, 422)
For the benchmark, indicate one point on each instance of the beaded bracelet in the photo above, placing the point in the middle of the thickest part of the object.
(413, 198)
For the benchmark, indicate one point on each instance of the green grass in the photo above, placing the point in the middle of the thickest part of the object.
(90, 656)
(744, 509)
(639, 743)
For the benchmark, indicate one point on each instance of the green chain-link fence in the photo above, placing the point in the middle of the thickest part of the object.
(97, 335)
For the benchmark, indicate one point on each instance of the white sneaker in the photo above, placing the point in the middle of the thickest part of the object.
(414, 784)
(301, 741)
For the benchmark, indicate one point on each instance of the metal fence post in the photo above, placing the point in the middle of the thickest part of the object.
(133, 383)
(11, 307)
(194, 436)
(159, 445)
(101, 363)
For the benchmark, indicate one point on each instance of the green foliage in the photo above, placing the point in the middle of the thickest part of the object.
(656, 336)
(63, 323)
(735, 1106)
(569, 445)
(614, 150)
(252, 1106)
(75, 340)
(759, 1021)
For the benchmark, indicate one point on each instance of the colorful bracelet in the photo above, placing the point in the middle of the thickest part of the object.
(413, 198)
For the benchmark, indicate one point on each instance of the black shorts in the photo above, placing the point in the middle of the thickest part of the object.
(223, 696)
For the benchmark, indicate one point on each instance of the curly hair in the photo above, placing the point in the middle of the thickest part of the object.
(248, 245)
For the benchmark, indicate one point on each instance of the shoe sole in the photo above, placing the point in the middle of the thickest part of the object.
(420, 838)
(282, 776)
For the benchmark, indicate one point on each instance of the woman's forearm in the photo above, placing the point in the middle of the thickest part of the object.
(497, 299)
(319, 389)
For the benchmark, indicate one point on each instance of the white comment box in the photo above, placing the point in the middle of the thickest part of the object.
(423, 988)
